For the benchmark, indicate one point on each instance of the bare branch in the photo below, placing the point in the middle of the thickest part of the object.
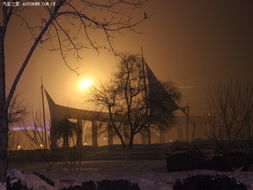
(25, 62)
(61, 51)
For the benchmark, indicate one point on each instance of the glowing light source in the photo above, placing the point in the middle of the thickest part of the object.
(84, 84)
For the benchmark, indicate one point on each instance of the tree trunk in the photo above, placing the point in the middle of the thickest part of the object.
(3, 119)
(3, 145)
(131, 141)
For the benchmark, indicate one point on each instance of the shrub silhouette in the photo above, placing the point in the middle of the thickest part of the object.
(230, 161)
(76, 187)
(89, 185)
(218, 162)
(195, 159)
(18, 185)
(105, 185)
(187, 160)
(207, 182)
(117, 185)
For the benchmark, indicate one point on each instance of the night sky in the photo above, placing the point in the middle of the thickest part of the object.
(196, 44)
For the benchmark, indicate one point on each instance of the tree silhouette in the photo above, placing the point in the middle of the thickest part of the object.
(230, 117)
(17, 110)
(124, 99)
(64, 129)
(57, 23)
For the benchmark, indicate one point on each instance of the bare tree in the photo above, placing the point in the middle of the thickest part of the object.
(124, 97)
(17, 113)
(56, 23)
(35, 134)
(62, 137)
(230, 119)
(37, 141)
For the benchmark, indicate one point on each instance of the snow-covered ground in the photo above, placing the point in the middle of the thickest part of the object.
(150, 175)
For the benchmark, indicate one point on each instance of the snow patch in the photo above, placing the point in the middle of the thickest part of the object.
(149, 175)
(30, 180)
(3, 186)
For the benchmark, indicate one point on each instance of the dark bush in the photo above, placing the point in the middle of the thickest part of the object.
(117, 185)
(187, 160)
(18, 185)
(89, 185)
(195, 159)
(229, 161)
(218, 162)
(106, 185)
(76, 187)
(240, 160)
(207, 182)
(15, 182)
